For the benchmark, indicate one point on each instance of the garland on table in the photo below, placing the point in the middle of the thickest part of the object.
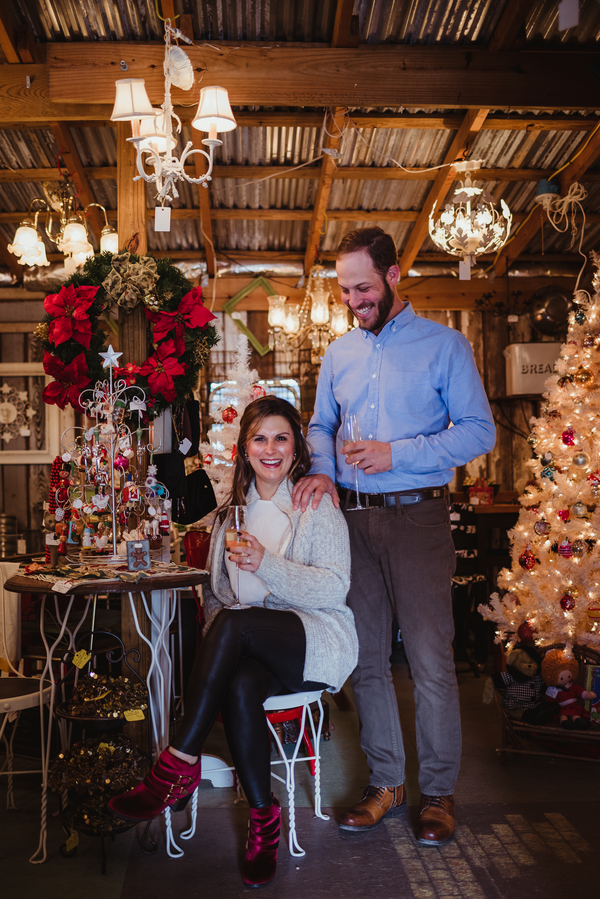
(72, 336)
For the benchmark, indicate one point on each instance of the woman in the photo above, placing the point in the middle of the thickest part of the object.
(291, 632)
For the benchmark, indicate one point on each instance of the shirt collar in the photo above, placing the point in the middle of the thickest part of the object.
(405, 317)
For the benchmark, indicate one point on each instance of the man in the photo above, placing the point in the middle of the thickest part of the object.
(407, 379)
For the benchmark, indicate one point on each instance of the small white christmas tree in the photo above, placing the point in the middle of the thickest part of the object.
(219, 454)
(553, 590)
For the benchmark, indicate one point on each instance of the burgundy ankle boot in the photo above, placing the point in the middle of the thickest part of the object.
(260, 861)
(170, 782)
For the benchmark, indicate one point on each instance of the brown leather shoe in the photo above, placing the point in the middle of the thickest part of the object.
(377, 803)
(436, 820)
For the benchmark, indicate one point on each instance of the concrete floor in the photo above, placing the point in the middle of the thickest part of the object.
(526, 829)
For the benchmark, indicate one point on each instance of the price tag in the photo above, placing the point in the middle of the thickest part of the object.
(134, 715)
(185, 445)
(81, 658)
(72, 842)
(106, 746)
(162, 218)
(62, 586)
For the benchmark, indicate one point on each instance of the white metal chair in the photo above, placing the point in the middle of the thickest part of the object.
(297, 701)
(16, 694)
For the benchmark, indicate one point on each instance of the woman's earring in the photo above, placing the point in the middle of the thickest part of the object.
(294, 455)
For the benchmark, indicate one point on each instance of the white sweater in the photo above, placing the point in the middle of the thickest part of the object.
(311, 579)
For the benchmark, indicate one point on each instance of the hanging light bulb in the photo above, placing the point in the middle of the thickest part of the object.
(339, 319)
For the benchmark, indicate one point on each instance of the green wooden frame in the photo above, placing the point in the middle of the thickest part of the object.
(230, 305)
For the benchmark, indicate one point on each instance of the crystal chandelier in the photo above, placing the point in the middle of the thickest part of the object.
(70, 233)
(152, 128)
(319, 319)
(470, 224)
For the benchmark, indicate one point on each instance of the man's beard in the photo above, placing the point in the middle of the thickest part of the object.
(384, 306)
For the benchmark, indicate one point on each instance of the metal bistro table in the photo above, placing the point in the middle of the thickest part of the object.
(159, 595)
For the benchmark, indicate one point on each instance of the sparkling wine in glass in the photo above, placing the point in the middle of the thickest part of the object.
(350, 434)
(235, 523)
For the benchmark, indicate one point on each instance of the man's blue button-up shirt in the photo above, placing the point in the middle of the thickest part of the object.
(406, 385)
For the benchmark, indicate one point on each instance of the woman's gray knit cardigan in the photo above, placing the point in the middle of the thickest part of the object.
(312, 580)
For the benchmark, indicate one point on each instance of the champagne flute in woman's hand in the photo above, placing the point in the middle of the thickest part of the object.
(350, 434)
(235, 523)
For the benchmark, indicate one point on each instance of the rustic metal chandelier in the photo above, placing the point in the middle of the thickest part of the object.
(470, 223)
(69, 233)
(319, 319)
(152, 128)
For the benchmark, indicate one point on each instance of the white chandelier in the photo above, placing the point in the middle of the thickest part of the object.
(71, 235)
(470, 224)
(152, 128)
(289, 324)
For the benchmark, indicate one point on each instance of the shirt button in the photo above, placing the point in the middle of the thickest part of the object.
(377, 345)
(374, 376)
(370, 436)
(372, 405)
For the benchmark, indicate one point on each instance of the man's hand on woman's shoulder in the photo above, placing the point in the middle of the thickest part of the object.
(314, 485)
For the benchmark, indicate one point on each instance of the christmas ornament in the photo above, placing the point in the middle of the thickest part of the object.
(564, 549)
(229, 415)
(533, 439)
(258, 390)
(580, 317)
(542, 527)
(208, 459)
(581, 460)
(579, 401)
(583, 376)
(579, 509)
(547, 473)
(568, 437)
(578, 548)
(588, 340)
(527, 559)
(552, 413)
(567, 603)
(526, 632)
(594, 476)
(593, 610)
(563, 514)
(564, 382)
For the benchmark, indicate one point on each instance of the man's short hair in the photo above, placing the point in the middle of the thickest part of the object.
(378, 244)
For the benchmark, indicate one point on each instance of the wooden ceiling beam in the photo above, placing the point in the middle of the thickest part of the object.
(297, 75)
(68, 151)
(467, 132)
(201, 168)
(335, 127)
(510, 23)
(8, 40)
(345, 25)
(574, 171)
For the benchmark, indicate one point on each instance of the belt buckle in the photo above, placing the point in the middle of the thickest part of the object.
(412, 499)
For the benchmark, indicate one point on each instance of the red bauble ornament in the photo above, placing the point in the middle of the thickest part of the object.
(526, 632)
(565, 549)
(527, 560)
(568, 437)
(229, 415)
(208, 459)
(594, 477)
(567, 602)
(563, 514)
(258, 390)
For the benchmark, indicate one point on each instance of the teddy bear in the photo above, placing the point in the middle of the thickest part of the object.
(559, 673)
(522, 685)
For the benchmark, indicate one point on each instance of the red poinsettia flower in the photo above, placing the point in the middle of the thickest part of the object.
(69, 311)
(70, 380)
(191, 314)
(127, 373)
(161, 368)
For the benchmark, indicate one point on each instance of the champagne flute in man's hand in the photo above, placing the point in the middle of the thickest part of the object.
(350, 434)
(235, 523)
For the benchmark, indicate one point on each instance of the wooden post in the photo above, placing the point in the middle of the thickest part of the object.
(131, 225)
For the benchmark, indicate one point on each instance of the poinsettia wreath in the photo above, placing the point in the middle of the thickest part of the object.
(180, 329)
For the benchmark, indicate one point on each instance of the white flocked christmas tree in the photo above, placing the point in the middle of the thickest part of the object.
(219, 453)
(552, 593)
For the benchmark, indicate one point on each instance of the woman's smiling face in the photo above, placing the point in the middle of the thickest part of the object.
(270, 452)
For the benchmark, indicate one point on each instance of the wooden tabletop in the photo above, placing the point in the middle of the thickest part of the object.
(167, 581)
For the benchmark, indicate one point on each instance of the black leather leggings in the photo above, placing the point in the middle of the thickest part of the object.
(246, 656)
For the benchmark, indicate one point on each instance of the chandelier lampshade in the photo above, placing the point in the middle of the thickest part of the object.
(339, 319)
(131, 101)
(26, 239)
(109, 240)
(214, 111)
(153, 134)
(277, 311)
(75, 239)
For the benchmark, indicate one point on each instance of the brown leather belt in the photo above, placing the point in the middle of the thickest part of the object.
(401, 497)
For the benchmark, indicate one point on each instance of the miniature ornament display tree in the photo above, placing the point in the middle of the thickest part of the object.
(219, 453)
(552, 593)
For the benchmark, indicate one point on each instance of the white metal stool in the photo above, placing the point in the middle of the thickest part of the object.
(274, 704)
(303, 701)
(16, 694)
